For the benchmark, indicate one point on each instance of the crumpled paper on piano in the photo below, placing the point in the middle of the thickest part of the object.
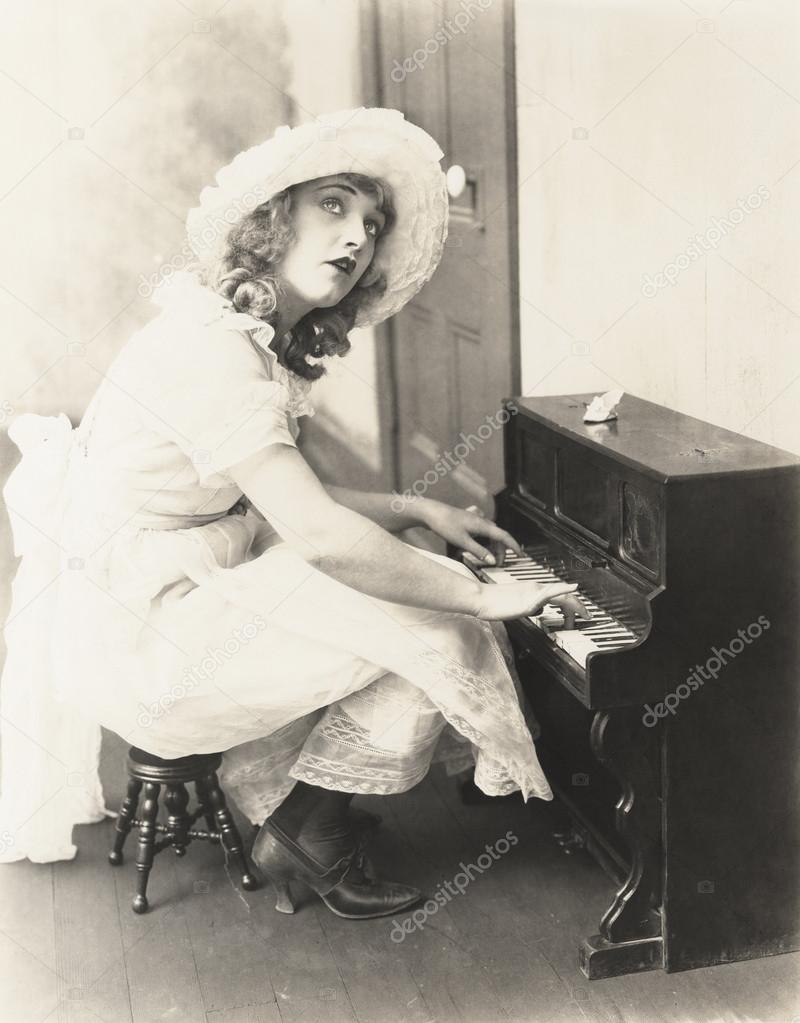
(603, 407)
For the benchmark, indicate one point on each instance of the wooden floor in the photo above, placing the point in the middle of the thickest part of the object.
(71, 950)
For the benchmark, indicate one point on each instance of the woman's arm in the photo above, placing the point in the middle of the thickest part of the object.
(343, 543)
(359, 553)
(459, 526)
(392, 512)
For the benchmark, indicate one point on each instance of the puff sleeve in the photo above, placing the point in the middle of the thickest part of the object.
(210, 393)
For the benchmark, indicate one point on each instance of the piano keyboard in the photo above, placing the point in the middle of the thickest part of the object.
(602, 632)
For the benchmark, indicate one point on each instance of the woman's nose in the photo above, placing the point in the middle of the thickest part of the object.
(355, 235)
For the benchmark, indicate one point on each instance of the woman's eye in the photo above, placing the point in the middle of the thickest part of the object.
(334, 200)
(373, 227)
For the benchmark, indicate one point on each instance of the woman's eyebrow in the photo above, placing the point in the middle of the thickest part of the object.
(346, 188)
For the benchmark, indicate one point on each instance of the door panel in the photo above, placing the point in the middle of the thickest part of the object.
(456, 345)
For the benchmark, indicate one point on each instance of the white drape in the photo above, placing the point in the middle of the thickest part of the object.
(49, 754)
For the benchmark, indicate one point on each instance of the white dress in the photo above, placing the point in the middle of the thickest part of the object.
(142, 605)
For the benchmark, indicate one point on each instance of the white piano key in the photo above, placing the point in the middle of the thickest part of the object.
(603, 631)
(497, 575)
(575, 644)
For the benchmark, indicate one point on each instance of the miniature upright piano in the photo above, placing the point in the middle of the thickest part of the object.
(670, 720)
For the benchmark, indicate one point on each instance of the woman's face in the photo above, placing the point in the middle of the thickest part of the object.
(333, 221)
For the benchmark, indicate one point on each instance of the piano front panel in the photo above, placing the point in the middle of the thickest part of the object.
(641, 527)
(616, 510)
(584, 497)
(589, 791)
(534, 469)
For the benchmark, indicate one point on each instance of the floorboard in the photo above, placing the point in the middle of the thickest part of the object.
(504, 950)
(90, 957)
(266, 1013)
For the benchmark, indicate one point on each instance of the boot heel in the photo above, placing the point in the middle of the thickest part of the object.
(280, 860)
(283, 896)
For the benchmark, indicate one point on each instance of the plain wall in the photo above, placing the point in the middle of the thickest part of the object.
(642, 125)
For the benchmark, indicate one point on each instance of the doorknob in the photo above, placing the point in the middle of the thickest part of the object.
(456, 179)
(465, 195)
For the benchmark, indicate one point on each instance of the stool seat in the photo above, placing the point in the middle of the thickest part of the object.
(141, 756)
(149, 773)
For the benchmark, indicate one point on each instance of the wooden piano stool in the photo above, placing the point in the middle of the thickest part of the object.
(671, 720)
(151, 773)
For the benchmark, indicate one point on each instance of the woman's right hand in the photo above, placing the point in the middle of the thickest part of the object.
(498, 602)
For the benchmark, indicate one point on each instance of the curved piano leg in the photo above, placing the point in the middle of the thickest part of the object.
(630, 937)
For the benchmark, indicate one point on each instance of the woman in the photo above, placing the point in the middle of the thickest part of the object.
(211, 593)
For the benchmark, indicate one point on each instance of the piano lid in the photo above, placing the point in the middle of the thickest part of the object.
(656, 440)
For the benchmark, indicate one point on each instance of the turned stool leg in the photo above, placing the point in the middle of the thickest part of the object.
(228, 832)
(145, 850)
(125, 820)
(202, 798)
(177, 799)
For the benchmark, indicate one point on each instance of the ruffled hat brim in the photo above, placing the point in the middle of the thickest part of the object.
(373, 141)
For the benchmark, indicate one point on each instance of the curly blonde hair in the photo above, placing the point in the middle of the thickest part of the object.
(246, 276)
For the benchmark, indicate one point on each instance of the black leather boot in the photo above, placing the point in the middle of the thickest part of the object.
(310, 838)
(344, 886)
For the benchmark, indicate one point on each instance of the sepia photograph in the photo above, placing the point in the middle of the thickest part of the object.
(400, 515)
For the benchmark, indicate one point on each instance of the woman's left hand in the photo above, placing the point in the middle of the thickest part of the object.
(460, 526)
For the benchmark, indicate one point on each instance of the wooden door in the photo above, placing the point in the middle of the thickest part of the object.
(449, 67)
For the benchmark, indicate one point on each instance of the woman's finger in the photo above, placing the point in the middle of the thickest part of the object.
(476, 550)
(573, 607)
(551, 590)
(498, 549)
(486, 527)
(556, 593)
(501, 536)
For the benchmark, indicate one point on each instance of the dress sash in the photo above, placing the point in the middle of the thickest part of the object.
(50, 753)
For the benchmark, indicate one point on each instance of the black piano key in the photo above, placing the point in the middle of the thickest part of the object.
(604, 626)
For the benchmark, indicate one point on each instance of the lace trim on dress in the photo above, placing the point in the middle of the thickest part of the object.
(184, 293)
(364, 779)
(298, 387)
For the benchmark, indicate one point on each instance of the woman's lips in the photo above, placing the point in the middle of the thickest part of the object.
(345, 266)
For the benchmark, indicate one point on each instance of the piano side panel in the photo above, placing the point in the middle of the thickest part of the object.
(732, 745)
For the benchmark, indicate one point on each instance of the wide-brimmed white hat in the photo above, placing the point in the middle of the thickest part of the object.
(373, 141)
